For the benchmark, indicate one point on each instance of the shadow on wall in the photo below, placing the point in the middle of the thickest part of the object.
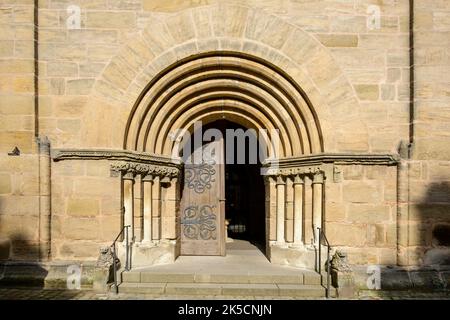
(430, 229)
(19, 263)
(23, 249)
(29, 272)
(429, 238)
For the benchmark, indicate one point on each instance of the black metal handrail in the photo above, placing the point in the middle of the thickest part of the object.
(113, 246)
(322, 236)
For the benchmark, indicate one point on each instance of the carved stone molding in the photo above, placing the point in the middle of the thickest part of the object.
(273, 171)
(117, 155)
(129, 163)
(324, 164)
(145, 169)
(337, 159)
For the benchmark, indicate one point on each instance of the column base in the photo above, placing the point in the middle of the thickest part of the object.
(295, 255)
(299, 245)
(147, 243)
(280, 244)
(146, 254)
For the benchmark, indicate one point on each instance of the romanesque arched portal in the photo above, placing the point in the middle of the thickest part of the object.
(188, 68)
(244, 89)
(217, 85)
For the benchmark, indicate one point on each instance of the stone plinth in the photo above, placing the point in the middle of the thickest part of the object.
(148, 254)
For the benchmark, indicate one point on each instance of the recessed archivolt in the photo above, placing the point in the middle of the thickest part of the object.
(248, 83)
(220, 91)
(239, 116)
(226, 99)
(236, 83)
(194, 62)
(230, 110)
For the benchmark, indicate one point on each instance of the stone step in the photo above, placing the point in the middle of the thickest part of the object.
(309, 278)
(224, 289)
(144, 288)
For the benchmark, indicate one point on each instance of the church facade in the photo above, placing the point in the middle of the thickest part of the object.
(354, 94)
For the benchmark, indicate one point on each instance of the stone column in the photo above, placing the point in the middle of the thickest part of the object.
(147, 187)
(308, 234)
(156, 208)
(281, 208)
(289, 213)
(44, 199)
(138, 209)
(298, 210)
(317, 185)
(271, 209)
(128, 203)
(169, 214)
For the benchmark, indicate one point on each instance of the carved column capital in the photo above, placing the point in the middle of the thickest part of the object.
(280, 180)
(128, 175)
(269, 179)
(146, 170)
(147, 178)
(318, 177)
(165, 179)
(298, 179)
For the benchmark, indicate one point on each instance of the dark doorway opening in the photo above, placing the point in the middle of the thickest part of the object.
(244, 190)
(244, 187)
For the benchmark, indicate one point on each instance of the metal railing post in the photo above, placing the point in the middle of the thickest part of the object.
(116, 288)
(319, 267)
(127, 265)
(113, 246)
(323, 236)
(328, 272)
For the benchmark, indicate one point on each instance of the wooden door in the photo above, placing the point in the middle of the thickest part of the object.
(203, 203)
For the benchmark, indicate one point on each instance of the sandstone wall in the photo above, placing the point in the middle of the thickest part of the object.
(373, 62)
(361, 213)
(85, 209)
(430, 169)
(19, 179)
(86, 90)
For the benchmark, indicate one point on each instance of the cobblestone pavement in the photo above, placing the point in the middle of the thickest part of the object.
(47, 294)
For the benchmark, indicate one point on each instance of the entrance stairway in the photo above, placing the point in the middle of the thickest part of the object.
(303, 285)
(244, 272)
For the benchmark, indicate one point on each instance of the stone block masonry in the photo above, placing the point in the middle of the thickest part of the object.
(332, 77)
